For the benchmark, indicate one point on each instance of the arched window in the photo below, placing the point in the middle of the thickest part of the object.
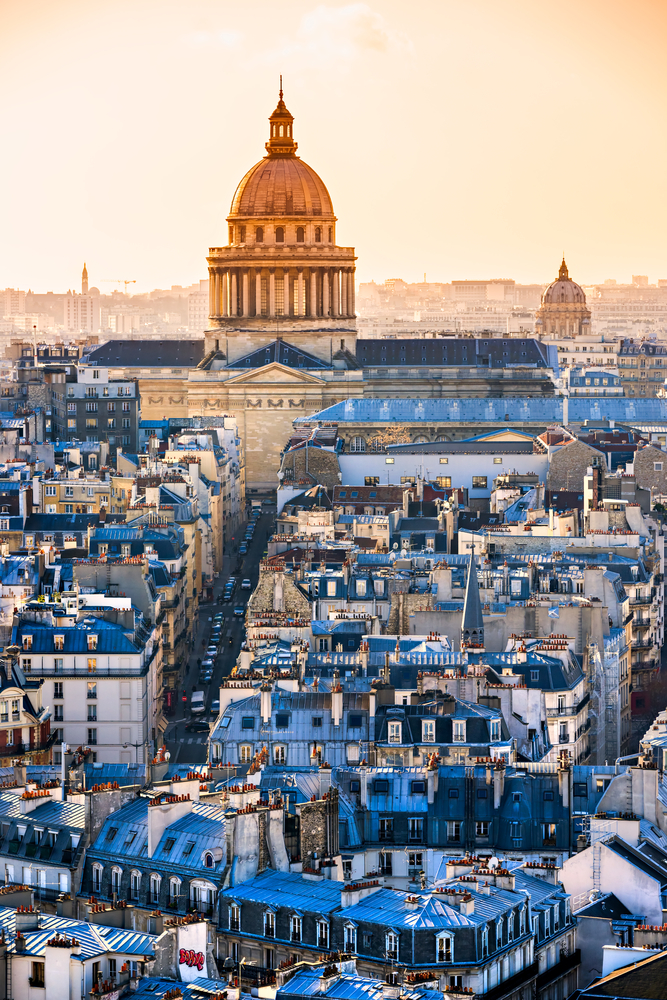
(330, 234)
(97, 877)
(280, 234)
(357, 444)
(241, 234)
(259, 235)
(289, 130)
(135, 883)
(231, 234)
(155, 888)
(281, 131)
(300, 234)
(273, 131)
(208, 860)
(174, 891)
(116, 875)
(421, 439)
(318, 234)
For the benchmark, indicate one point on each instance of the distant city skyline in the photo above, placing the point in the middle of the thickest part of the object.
(468, 140)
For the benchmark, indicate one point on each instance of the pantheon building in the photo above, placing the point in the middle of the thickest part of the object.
(282, 340)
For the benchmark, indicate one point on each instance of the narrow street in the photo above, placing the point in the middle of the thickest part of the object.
(190, 747)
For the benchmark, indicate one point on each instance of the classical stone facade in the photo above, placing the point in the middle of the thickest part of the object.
(281, 272)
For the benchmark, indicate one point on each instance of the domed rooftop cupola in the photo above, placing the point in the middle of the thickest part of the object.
(563, 312)
(281, 131)
(563, 289)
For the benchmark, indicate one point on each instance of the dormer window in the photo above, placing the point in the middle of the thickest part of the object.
(27, 642)
(59, 642)
(92, 641)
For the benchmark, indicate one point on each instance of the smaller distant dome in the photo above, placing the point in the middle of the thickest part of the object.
(563, 290)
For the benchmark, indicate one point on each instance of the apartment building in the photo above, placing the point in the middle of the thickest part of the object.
(101, 669)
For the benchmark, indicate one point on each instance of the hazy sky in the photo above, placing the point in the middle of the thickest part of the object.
(461, 138)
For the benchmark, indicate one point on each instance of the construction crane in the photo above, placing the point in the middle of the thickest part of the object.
(119, 281)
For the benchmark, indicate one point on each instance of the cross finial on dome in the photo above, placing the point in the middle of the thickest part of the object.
(563, 273)
(280, 93)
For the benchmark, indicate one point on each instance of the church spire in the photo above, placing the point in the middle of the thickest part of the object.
(281, 131)
(563, 272)
(472, 624)
(84, 280)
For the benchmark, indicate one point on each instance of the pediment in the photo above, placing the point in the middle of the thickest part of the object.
(275, 373)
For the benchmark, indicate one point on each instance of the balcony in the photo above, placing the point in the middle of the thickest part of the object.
(566, 964)
(563, 710)
(514, 983)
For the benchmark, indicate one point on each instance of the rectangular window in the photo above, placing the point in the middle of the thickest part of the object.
(394, 732)
(92, 713)
(497, 460)
(58, 689)
(481, 828)
(371, 480)
(416, 829)
(282, 721)
(428, 731)
(444, 481)
(37, 977)
(247, 722)
(454, 832)
(458, 731)
(386, 828)
(444, 461)
(91, 422)
(92, 737)
(479, 482)
(548, 835)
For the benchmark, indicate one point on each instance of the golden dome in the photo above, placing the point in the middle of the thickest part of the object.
(281, 184)
(563, 290)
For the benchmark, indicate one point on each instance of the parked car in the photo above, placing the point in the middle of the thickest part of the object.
(208, 664)
(215, 706)
(243, 548)
(208, 677)
(197, 726)
(246, 585)
(212, 651)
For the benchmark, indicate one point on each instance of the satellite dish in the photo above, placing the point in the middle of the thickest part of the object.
(494, 863)
(395, 546)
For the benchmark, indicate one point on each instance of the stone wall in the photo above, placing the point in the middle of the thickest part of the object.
(569, 465)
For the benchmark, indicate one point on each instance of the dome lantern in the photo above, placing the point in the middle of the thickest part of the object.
(281, 130)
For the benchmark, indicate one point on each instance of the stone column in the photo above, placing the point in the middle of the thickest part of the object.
(344, 297)
(336, 293)
(325, 291)
(212, 279)
(225, 293)
(286, 298)
(272, 292)
(245, 302)
(351, 294)
(300, 311)
(313, 292)
(258, 292)
(234, 304)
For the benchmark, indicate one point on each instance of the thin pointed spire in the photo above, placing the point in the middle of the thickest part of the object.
(281, 87)
(472, 623)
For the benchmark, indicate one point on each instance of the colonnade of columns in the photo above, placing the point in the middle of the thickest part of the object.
(282, 291)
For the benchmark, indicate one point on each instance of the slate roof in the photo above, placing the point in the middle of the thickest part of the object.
(111, 638)
(306, 983)
(283, 353)
(95, 939)
(509, 410)
(646, 980)
(149, 353)
(445, 352)
(204, 827)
